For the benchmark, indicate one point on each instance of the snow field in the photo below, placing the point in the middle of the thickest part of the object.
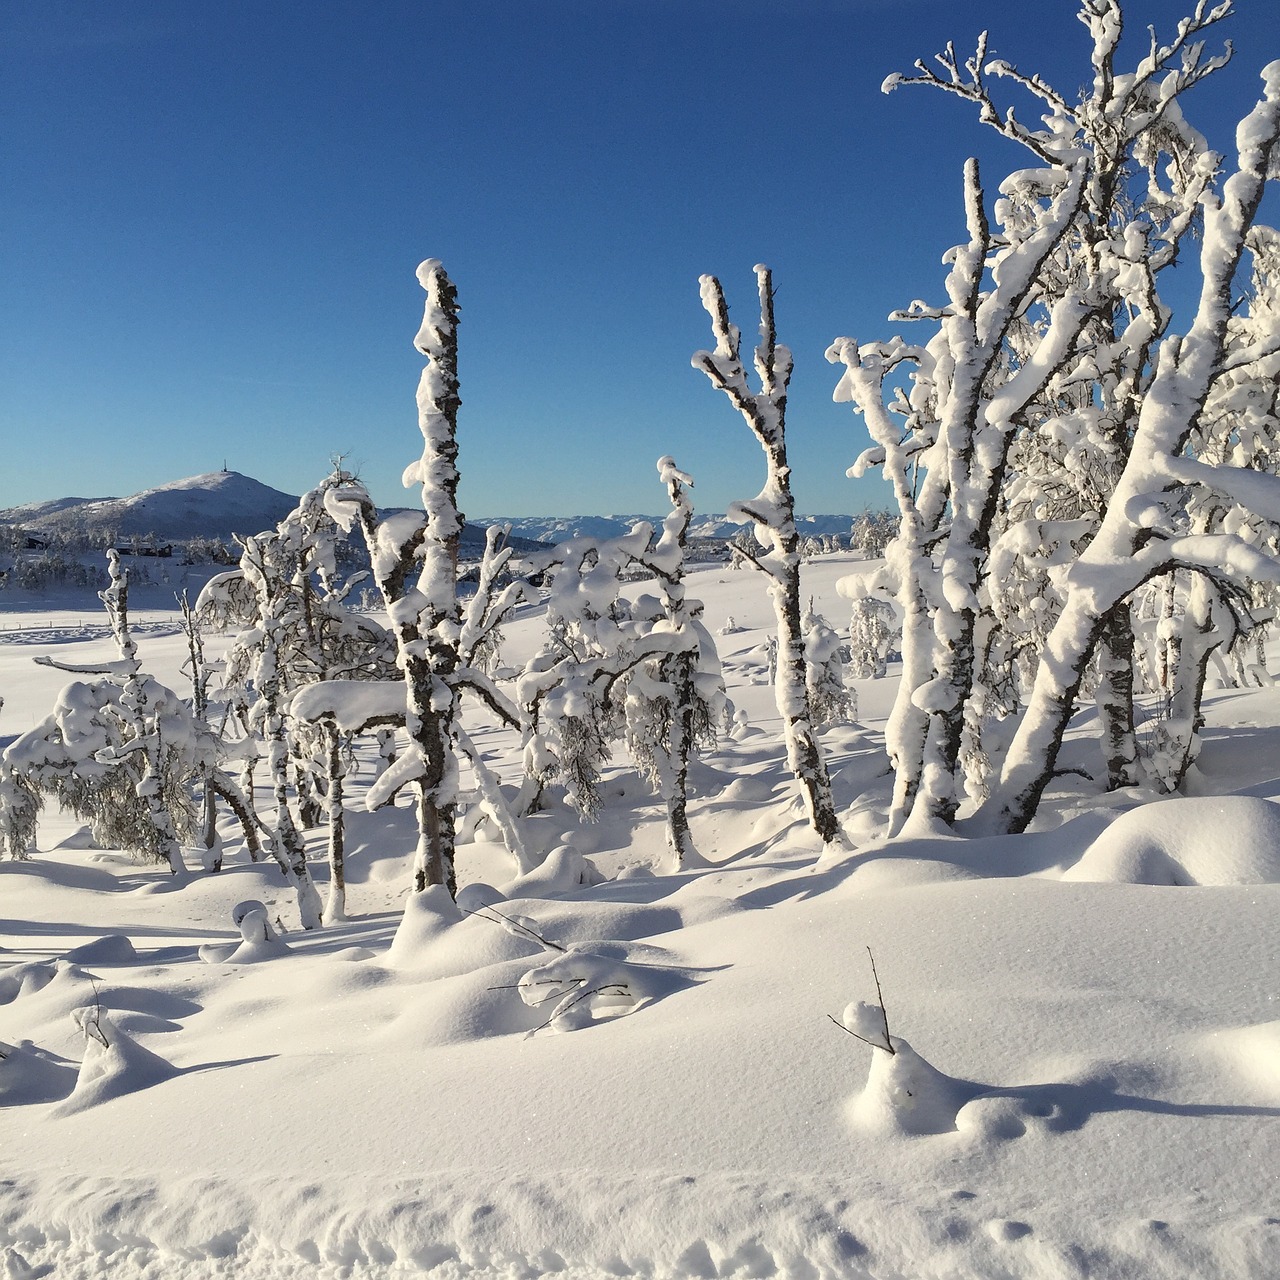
(368, 1100)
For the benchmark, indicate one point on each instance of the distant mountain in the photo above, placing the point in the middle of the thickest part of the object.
(220, 503)
(561, 528)
(214, 505)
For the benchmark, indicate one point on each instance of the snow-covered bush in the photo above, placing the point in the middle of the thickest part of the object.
(20, 804)
(572, 691)
(873, 636)
(872, 532)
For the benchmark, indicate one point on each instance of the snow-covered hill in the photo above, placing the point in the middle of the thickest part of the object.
(220, 503)
(213, 505)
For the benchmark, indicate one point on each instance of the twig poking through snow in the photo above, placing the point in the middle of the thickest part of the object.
(515, 925)
(880, 1000)
(862, 1015)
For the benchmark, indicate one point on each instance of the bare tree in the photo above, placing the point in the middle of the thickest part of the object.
(773, 513)
(415, 566)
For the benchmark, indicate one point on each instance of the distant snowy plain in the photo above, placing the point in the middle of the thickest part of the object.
(1100, 1000)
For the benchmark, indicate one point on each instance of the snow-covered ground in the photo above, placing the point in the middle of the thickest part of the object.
(1097, 999)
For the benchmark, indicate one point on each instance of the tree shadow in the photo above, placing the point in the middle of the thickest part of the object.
(199, 1068)
(57, 1077)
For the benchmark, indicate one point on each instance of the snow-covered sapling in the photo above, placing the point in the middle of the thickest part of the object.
(674, 701)
(904, 1094)
(114, 1063)
(589, 982)
(831, 701)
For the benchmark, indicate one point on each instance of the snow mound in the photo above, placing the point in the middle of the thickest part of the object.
(563, 870)
(113, 948)
(906, 1095)
(437, 939)
(24, 978)
(28, 1075)
(1219, 840)
(114, 1063)
(427, 915)
(867, 1022)
(593, 982)
(1251, 1055)
(258, 939)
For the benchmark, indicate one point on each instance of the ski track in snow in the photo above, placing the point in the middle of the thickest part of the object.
(74, 633)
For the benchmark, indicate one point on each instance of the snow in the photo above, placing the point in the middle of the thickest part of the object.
(1084, 1082)
(1179, 842)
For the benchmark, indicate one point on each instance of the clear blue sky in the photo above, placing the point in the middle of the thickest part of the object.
(211, 216)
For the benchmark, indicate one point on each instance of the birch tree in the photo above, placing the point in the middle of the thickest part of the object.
(772, 512)
(439, 652)
(1009, 447)
(1137, 539)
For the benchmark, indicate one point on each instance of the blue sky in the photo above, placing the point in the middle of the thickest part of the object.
(212, 214)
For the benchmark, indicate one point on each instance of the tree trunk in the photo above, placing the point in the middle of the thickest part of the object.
(1115, 698)
(1177, 741)
(335, 908)
(679, 837)
(222, 787)
(285, 842)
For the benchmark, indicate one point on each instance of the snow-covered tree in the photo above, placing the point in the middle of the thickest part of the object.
(872, 636)
(120, 750)
(959, 432)
(1139, 535)
(772, 513)
(214, 782)
(20, 803)
(1239, 427)
(439, 652)
(572, 691)
(1025, 411)
(300, 632)
(674, 702)
(872, 532)
(830, 700)
(259, 661)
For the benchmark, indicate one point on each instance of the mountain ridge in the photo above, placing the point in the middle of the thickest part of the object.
(216, 504)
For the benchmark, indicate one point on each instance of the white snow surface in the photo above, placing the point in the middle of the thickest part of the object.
(1086, 1082)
